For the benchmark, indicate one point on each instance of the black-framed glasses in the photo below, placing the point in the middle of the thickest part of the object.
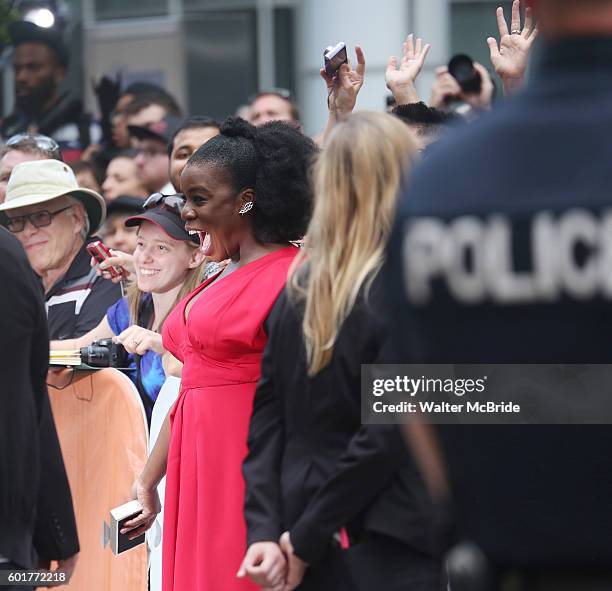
(39, 219)
(42, 142)
(174, 202)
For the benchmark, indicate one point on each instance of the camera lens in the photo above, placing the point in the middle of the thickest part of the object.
(95, 356)
(105, 353)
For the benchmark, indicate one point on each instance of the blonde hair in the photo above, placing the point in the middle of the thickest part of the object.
(192, 280)
(357, 178)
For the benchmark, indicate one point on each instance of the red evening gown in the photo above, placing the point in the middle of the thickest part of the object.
(220, 345)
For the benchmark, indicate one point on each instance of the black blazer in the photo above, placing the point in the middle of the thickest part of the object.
(36, 511)
(312, 467)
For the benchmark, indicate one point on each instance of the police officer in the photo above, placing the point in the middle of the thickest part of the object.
(501, 254)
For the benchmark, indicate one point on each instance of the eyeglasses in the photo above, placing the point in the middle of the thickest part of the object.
(174, 202)
(42, 142)
(38, 219)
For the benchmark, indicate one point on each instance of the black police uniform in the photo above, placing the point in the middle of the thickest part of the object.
(502, 254)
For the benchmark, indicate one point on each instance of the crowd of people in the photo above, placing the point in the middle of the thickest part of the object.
(263, 268)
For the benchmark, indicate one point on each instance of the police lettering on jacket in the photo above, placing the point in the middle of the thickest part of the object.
(499, 259)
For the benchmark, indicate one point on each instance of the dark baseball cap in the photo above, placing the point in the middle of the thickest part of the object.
(27, 32)
(161, 131)
(164, 211)
(124, 205)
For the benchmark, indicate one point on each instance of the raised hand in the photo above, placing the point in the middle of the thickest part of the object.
(119, 259)
(108, 91)
(400, 80)
(345, 86)
(484, 99)
(510, 57)
(444, 88)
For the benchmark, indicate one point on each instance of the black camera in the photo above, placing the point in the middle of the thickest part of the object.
(334, 57)
(104, 353)
(461, 68)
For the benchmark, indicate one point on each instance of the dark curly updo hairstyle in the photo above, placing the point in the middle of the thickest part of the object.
(274, 160)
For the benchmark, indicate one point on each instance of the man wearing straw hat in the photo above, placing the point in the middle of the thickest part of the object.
(54, 220)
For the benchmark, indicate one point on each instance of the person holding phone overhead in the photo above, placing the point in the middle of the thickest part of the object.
(167, 265)
(247, 196)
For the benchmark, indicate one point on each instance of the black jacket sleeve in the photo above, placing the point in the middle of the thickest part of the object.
(261, 468)
(35, 501)
(369, 463)
(372, 458)
(55, 533)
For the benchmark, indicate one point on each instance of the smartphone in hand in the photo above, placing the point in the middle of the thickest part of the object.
(99, 251)
(334, 57)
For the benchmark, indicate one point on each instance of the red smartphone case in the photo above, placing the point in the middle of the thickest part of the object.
(99, 251)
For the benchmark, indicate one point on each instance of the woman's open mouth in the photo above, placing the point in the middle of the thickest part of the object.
(205, 241)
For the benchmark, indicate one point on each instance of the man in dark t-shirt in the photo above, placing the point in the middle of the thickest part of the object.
(54, 220)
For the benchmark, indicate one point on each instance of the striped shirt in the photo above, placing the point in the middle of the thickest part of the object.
(79, 300)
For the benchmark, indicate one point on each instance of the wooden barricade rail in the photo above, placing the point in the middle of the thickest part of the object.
(102, 431)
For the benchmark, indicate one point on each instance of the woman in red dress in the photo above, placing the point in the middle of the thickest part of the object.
(248, 195)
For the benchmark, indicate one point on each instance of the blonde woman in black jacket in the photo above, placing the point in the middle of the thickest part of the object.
(345, 500)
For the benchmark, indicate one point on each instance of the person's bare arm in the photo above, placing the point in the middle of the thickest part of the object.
(155, 468)
(343, 90)
(145, 486)
(172, 366)
(510, 57)
(400, 79)
(102, 331)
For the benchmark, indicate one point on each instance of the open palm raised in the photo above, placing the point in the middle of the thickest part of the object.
(411, 64)
(510, 57)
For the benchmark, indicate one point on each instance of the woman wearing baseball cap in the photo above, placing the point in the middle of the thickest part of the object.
(248, 196)
(167, 266)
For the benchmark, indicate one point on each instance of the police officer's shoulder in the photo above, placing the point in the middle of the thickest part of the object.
(466, 160)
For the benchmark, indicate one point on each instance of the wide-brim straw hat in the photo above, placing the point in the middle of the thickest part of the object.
(44, 180)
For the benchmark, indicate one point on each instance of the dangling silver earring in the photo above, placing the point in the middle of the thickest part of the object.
(246, 208)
